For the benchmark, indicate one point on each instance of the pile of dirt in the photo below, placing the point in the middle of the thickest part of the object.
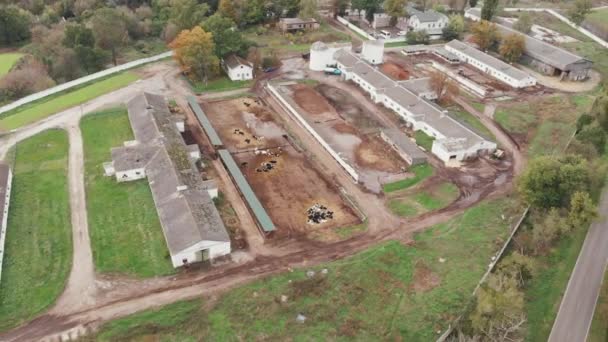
(311, 101)
(394, 71)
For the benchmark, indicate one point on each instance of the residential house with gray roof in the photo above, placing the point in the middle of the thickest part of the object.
(191, 224)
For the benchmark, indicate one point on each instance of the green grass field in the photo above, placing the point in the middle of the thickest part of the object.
(592, 51)
(599, 326)
(38, 251)
(598, 19)
(41, 109)
(219, 84)
(421, 172)
(424, 140)
(413, 202)
(7, 60)
(388, 292)
(120, 214)
(544, 124)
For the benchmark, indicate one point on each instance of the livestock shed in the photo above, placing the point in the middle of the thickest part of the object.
(202, 118)
(190, 222)
(6, 178)
(401, 143)
(490, 65)
(262, 217)
(545, 57)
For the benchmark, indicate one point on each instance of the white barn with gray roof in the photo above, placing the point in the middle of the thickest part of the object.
(490, 65)
(453, 140)
(190, 222)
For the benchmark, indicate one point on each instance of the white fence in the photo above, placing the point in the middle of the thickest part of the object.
(466, 83)
(349, 169)
(82, 80)
(4, 222)
(355, 28)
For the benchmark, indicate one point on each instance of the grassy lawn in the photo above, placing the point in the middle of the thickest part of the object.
(545, 124)
(120, 215)
(41, 109)
(598, 19)
(7, 60)
(388, 292)
(592, 51)
(424, 140)
(395, 44)
(412, 202)
(549, 21)
(219, 84)
(471, 121)
(543, 295)
(599, 326)
(421, 172)
(39, 234)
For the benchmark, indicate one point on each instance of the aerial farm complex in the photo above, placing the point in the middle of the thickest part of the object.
(288, 164)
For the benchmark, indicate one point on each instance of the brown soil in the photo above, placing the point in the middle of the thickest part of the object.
(375, 154)
(395, 71)
(293, 184)
(310, 100)
(424, 279)
(344, 128)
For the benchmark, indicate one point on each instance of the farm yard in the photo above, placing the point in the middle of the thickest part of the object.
(269, 159)
(38, 250)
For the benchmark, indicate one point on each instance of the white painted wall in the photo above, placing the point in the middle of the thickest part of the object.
(4, 222)
(204, 250)
(240, 73)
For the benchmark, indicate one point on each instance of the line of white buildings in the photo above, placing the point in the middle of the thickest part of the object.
(409, 99)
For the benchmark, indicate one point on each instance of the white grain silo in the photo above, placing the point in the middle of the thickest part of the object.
(373, 51)
(322, 55)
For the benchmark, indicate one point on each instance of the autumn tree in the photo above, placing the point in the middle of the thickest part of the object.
(228, 9)
(110, 30)
(194, 52)
(546, 228)
(579, 10)
(14, 25)
(489, 9)
(30, 78)
(454, 28)
(550, 181)
(582, 210)
(512, 47)
(395, 8)
(226, 37)
(308, 9)
(442, 85)
(485, 34)
(523, 23)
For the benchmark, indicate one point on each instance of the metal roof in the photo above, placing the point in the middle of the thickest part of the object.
(404, 143)
(426, 16)
(204, 121)
(486, 59)
(252, 200)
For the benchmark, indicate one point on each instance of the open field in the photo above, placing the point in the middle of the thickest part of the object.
(274, 40)
(29, 113)
(7, 60)
(599, 326)
(379, 292)
(549, 21)
(543, 124)
(592, 51)
(413, 202)
(38, 252)
(222, 83)
(246, 125)
(598, 20)
(120, 215)
(348, 128)
(420, 172)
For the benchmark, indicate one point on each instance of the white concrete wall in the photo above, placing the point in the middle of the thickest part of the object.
(4, 222)
(355, 28)
(349, 169)
(82, 80)
(241, 73)
(200, 252)
(130, 175)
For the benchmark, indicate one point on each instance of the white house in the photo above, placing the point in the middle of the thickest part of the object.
(453, 140)
(237, 68)
(490, 65)
(190, 222)
(430, 21)
(6, 178)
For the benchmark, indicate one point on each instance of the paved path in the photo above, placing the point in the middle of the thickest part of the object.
(578, 304)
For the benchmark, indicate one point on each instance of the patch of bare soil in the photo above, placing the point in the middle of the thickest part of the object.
(424, 279)
(344, 128)
(348, 108)
(373, 153)
(395, 71)
(310, 100)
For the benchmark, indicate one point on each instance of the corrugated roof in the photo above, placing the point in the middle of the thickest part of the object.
(234, 61)
(486, 59)
(204, 121)
(426, 16)
(404, 143)
(250, 197)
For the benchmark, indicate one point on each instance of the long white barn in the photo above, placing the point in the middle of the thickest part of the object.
(453, 141)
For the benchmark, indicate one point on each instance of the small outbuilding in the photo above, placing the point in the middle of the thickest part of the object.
(298, 24)
(237, 68)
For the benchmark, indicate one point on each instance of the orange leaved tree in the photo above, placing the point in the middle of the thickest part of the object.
(194, 52)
